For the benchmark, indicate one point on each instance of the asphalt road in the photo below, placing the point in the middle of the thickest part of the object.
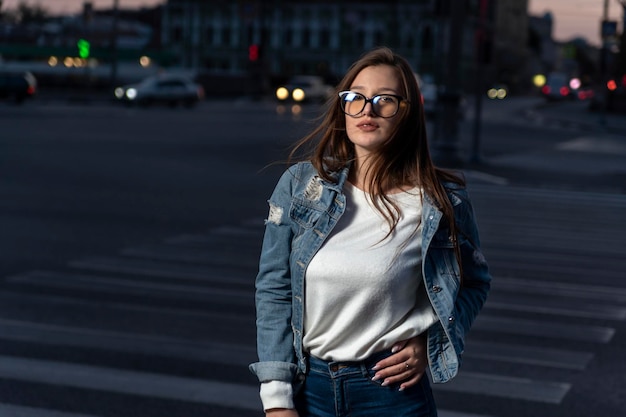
(130, 239)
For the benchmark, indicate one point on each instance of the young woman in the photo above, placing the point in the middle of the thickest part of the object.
(371, 271)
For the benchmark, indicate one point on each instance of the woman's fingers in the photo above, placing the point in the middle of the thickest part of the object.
(406, 366)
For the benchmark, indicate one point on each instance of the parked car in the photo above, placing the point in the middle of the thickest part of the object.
(165, 88)
(304, 88)
(17, 86)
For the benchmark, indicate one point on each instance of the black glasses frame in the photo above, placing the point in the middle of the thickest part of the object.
(372, 101)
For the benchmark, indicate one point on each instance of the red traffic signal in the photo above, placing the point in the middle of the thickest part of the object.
(253, 52)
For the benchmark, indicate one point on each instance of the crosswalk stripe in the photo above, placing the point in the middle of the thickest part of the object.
(221, 233)
(9, 410)
(539, 328)
(561, 289)
(582, 311)
(237, 396)
(571, 269)
(213, 257)
(588, 198)
(122, 308)
(502, 251)
(58, 335)
(154, 268)
(129, 286)
(447, 413)
(528, 355)
(507, 387)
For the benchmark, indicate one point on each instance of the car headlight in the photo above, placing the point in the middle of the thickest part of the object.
(282, 93)
(119, 92)
(131, 93)
(298, 94)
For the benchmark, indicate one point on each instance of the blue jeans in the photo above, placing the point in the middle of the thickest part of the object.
(346, 389)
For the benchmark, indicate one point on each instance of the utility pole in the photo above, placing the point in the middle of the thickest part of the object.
(482, 44)
(446, 149)
(114, 30)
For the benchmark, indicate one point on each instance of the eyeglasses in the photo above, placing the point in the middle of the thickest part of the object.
(383, 105)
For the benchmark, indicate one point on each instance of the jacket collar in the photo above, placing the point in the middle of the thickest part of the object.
(339, 178)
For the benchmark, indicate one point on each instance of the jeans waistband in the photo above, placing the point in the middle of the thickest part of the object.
(338, 368)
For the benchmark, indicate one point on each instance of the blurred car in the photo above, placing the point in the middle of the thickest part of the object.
(585, 93)
(498, 92)
(557, 87)
(304, 88)
(17, 86)
(165, 88)
(431, 100)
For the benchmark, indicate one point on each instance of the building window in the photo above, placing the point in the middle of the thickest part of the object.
(427, 39)
(177, 35)
(226, 38)
(208, 35)
(306, 38)
(379, 38)
(325, 38)
(289, 38)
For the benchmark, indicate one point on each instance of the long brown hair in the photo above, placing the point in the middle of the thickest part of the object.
(403, 160)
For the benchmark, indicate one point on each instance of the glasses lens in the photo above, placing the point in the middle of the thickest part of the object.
(352, 103)
(385, 106)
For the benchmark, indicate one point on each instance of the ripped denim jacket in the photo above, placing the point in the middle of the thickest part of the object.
(303, 210)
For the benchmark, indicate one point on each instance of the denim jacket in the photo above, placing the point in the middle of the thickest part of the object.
(304, 208)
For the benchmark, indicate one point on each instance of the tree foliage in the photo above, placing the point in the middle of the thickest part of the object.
(24, 13)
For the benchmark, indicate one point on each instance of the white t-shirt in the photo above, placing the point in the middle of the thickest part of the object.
(362, 290)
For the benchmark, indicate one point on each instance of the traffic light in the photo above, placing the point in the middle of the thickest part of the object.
(83, 48)
(253, 53)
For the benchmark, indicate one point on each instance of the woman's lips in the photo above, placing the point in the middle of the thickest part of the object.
(367, 126)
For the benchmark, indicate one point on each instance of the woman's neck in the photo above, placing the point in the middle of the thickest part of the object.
(359, 177)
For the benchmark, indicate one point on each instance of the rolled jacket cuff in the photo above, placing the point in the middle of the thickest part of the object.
(274, 371)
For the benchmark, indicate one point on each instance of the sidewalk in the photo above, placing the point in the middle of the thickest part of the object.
(594, 160)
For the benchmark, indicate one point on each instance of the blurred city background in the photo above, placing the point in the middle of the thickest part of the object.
(140, 140)
(251, 47)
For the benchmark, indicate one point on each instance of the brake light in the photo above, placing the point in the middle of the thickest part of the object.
(545, 89)
(564, 91)
(30, 90)
(611, 85)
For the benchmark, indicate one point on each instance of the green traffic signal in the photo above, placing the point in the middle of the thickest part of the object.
(83, 48)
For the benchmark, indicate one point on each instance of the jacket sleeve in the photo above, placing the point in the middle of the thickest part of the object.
(273, 291)
(476, 279)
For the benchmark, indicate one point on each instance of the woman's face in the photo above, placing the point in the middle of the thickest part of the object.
(367, 131)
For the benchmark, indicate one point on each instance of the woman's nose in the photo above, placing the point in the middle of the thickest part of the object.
(368, 110)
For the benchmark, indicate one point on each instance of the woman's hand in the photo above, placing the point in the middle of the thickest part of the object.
(407, 364)
(281, 412)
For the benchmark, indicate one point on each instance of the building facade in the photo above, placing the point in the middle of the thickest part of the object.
(298, 36)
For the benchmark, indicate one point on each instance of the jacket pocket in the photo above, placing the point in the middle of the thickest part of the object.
(442, 251)
(304, 215)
